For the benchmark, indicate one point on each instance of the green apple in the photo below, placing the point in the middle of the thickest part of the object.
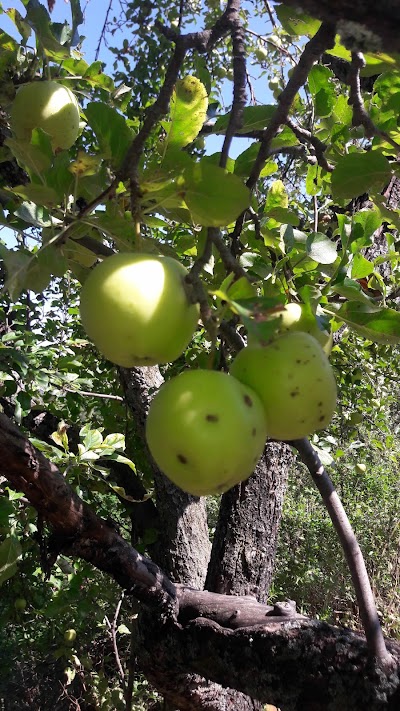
(70, 636)
(20, 604)
(136, 310)
(206, 431)
(355, 419)
(294, 380)
(362, 468)
(49, 106)
(296, 317)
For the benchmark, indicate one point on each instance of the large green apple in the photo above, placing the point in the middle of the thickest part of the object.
(136, 310)
(296, 317)
(49, 106)
(206, 431)
(294, 380)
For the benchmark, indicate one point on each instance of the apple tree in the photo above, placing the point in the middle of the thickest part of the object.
(192, 276)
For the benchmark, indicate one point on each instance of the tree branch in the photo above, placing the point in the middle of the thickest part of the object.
(351, 549)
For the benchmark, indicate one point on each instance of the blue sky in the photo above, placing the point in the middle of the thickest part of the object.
(94, 13)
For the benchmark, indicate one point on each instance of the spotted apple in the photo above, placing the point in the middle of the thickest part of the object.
(47, 105)
(206, 431)
(136, 310)
(294, 380)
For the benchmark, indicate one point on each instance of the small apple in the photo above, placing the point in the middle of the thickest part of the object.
(355, 419)
(49, 106)
(296, 317)
(206, 431)
(294, 380)
(362, 468)
(69, 636)
(20, 604)
(136, 310)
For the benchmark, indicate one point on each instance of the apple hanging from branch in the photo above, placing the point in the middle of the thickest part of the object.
(47, 105)
(136, 309)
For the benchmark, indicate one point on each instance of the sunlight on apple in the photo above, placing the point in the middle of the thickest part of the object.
(135, 309)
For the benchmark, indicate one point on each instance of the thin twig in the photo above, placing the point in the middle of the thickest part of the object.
(324, 39)
(105, 396)
(103, 31)
(305, 136)
(351, 549)
(360, 114)
(113, 632)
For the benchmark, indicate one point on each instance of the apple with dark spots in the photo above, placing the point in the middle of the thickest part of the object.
(206, 431)
(294, 380)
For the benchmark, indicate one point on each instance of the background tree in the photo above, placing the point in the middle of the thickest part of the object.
(305, 211)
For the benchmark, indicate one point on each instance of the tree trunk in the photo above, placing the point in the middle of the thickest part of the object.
(244, 547)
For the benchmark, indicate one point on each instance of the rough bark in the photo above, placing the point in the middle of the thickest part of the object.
(297, 665)
(244, 546)
(362, 24)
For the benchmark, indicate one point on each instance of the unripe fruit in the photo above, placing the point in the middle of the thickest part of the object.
(69, 636)
(206, 431)
(362, 468)
(294, 380)
(295, 317)
(49, 106)
(20, 604)
(136, 310)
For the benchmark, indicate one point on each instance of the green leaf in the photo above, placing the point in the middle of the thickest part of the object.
(320, 248)
(213, 196)
(255, 118)
(25, 271)
(381, 325)
(111, 129)
(245, 161)
(351, 290)
(46, 32)
(10, 552)
(92, 438)
(29, 156)
(115, 440)
(19, 22)
(357, 173)
(40, 194)
(361, 267)
(276, 197)
(296, 22)
(95, 77)
(33, 214)
(188, 111)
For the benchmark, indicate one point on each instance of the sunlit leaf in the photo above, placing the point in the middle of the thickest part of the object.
(357, 173)
(375, 323)
(188, 111)
(213, 196)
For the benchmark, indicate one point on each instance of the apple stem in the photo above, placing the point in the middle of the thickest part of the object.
(354, 557)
